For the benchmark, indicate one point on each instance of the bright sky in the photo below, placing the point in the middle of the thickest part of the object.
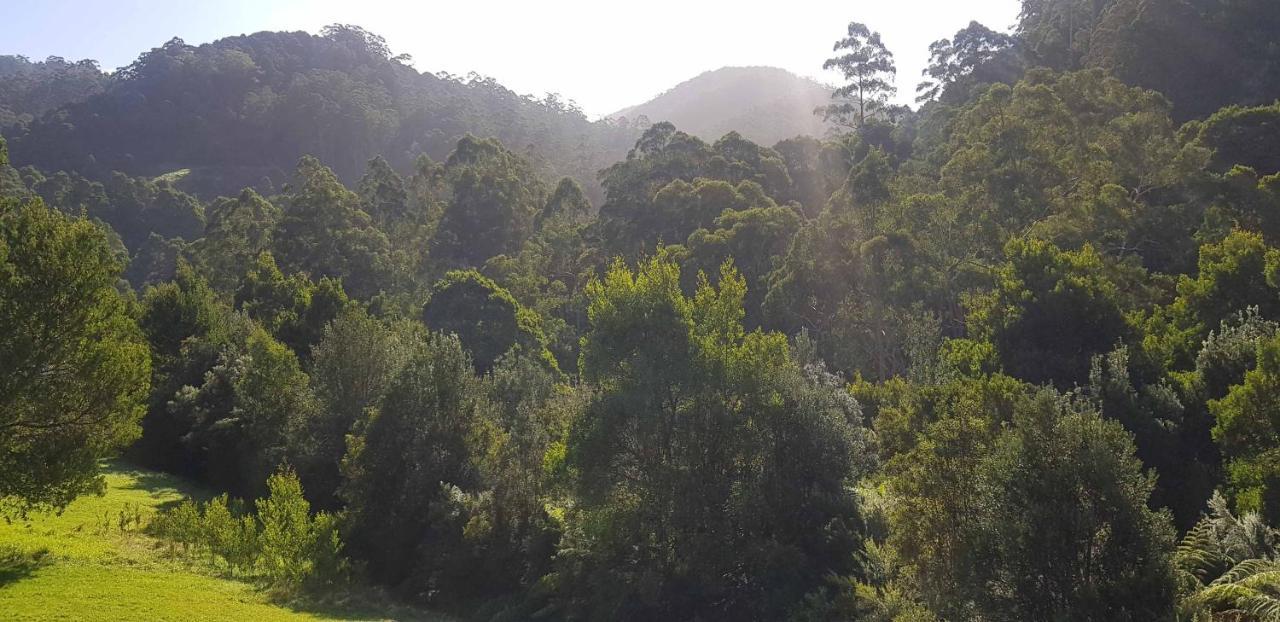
(604, 55)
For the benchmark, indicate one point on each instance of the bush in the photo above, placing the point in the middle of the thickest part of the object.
(283, 546)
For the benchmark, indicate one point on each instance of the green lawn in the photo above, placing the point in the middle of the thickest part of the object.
(81, 565)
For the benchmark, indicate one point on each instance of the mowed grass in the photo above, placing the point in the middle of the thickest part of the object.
(82, 565)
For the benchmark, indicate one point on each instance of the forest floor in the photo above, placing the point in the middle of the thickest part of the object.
(93, 562)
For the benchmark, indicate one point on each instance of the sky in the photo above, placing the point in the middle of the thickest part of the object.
(605, 56)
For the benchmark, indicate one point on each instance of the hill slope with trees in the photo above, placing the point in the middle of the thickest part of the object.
(240, 111)
(1011, 355)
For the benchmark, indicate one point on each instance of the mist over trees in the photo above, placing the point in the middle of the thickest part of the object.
(1012, 355)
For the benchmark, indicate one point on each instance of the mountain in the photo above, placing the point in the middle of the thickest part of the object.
(242, 110)
(764, 104)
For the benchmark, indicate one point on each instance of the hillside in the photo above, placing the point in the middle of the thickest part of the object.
(242, 110)
(93, 562)
(764, 104)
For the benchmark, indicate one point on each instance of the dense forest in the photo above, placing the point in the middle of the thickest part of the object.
(1011, 354)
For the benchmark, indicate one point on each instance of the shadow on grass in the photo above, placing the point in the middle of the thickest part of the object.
(157, 483)
(360, 603)
(17, 564)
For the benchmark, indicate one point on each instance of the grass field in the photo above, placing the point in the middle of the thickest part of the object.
(81, 565)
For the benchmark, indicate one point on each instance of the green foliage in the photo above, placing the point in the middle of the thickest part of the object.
(1242, 136)
(567, 201)
(495, 198)
(293, 309)
(549, 277)
(240, 110)
(1247, 435)
(1051, 226)
(382, 193)
(324, 233)
(76, 365)
(485, 317)
(672, 183)
(753, 238)
(868, 69)
(1074, 157)
(282, 546)
(186, 328)
(1227, 564)
(421, 436)
(1233, 274)
(1201, 55)
(976, 55)
(135, 208)
(351, 368)
(237, 418)
(683, 459)
(237, 231)
(1045, 518)
(855, 280)
(297, 549)
(1051, 312)
(30, 89)
(73, 565)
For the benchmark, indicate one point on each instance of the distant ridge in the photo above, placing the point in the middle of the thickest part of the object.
(764, 104)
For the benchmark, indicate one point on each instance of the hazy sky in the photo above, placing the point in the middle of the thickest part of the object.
(603, 55)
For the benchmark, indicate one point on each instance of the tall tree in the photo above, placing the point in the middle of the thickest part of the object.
(351, 368)
(965, 54)
(418, 440)
(711, 471)
(76, 366)
(495, 198)
(324, 233)
(237, 230)
(868, 69)
(382, 193)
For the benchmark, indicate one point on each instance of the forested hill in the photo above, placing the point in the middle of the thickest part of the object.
(764, 104)
(1012, 355)
(242, 110)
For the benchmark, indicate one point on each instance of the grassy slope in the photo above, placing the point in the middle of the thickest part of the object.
(82, 566)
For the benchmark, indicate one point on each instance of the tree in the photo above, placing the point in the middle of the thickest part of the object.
(382, 193)
(567, 201)
(240, 415)
(1058, 33)
(76, 365)
(186, 329)
(324, 233)
(868, 68)
(1029, 159)
(487, 319)
(419, 439)
(754, 239)
(1201, 55)
(655, 194)
(1235, 273)
(298, 550)
(966, 54)
(711, 470)
(293, 309)
(495, 198)
(1228, 562)
(1248, 434)
(236, 232)
(1244, 137)
(351, 367)
(1042, 518)
(1050, 313)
